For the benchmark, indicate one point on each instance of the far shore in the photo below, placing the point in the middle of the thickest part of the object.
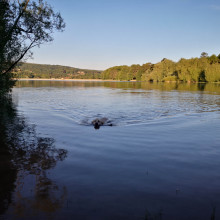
(53, 79)
(101, 80)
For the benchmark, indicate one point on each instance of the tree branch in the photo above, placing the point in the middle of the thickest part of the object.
(26, 4)
(16, 62)
(14, 25)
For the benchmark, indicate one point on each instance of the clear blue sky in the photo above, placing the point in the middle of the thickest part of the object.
(103, 33)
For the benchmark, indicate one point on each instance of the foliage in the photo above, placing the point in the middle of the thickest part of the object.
(203, 69)
(23, 25)
(127, 73)
(159, 71)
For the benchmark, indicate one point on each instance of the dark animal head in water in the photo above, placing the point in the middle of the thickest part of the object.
(96, 125)
(98, 122)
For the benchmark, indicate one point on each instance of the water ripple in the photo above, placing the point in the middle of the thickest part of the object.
(122, 107)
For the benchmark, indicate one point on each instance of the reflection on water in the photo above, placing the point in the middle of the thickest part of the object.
(168, 86)
(24, 155)
(7, 171)
(159, 161)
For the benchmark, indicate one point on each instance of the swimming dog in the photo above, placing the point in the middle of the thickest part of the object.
(99, 122)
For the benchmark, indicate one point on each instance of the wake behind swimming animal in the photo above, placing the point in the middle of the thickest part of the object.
(100, 122)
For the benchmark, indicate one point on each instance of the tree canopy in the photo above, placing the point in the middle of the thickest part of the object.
(203, 69)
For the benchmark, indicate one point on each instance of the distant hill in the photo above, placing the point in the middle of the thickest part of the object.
(31, 70)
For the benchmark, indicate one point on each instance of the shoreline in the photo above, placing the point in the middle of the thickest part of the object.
(94, 80)
(103, 80)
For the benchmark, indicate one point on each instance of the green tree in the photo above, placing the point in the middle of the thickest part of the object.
(24, 25)
(213, 59)
(160, 71)
(204, 54)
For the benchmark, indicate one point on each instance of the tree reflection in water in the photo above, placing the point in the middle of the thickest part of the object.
(25, 160)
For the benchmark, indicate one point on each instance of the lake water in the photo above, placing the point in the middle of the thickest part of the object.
(159, 160)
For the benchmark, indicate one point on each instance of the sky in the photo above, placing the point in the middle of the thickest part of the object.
(103, 33)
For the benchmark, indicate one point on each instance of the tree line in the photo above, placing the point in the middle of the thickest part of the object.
(203, 69)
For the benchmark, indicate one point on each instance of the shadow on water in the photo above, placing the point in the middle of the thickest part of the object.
(25, 157)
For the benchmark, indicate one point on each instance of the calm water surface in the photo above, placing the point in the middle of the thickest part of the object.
(159, 160)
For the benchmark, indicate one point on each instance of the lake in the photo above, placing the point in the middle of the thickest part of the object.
(160, 159)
